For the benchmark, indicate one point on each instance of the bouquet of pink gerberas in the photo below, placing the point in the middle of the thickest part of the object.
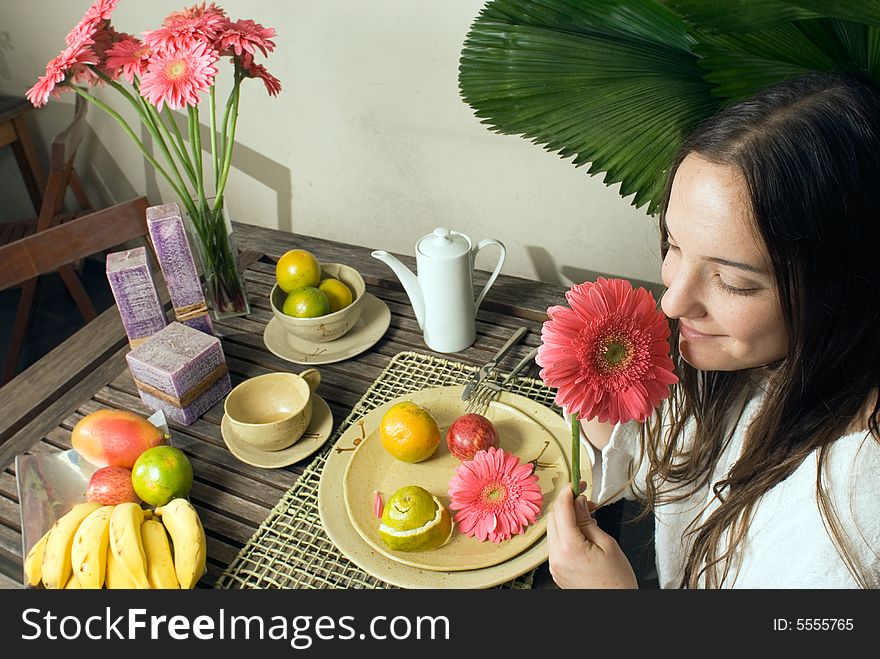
(171, 68)
(607, 356)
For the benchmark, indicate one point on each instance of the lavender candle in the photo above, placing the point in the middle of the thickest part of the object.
(168, 233)
(180, 371)
(132, 285)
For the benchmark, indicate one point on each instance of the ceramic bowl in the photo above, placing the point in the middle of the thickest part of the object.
(331, 326)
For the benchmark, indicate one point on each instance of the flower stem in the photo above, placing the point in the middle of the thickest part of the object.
(142, 108)
(195, 143)
(575, 454)
(213, 101)
(228, 137)
(178, 185)
(178, 151)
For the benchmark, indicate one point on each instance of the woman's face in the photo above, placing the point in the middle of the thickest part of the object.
(717, 273)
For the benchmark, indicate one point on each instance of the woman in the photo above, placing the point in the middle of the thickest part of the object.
(762, 469)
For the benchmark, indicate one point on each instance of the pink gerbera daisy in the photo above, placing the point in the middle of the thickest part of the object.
(179, 29)
(273, 84)
(93, 20)
(196, 11)
(246, 36)
(495, 494)
(70, 63)
(608, 355)
(176, 78)
(128, 56)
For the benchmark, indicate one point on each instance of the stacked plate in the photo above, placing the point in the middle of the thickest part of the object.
(359, 466)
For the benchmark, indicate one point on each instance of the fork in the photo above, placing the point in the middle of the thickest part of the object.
(487, 390)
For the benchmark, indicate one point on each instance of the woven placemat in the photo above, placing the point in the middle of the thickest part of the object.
(290, 548)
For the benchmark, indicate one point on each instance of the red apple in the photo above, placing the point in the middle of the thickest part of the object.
(471, 433)
(110, 486)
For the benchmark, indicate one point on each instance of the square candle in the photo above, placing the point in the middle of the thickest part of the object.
(178, 265)
(181, 371)
(132, 284)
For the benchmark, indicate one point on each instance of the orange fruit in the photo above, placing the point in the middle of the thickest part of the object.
(160, 474)
(297, 268)
(409, 432)
(307, 302)
(337, 293)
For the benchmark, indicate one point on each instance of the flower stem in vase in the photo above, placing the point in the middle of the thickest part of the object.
(575, 454)
(225, 286)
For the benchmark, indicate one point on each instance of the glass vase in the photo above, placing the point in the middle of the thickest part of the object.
(211, 230)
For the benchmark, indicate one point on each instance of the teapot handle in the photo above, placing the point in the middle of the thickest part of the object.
(494, 275)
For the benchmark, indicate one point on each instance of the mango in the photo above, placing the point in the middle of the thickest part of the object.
(114, 438)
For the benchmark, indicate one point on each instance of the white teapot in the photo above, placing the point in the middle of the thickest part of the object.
(442, 295)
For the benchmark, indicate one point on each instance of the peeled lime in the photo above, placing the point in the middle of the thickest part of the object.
(415, 520)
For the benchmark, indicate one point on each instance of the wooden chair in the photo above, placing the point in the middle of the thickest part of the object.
(56, 248)
(50, 213)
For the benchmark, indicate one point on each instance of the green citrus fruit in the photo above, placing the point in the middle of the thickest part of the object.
(415, 520)
(160, 474)
(337, 293)
(297, 268)
(309, 302)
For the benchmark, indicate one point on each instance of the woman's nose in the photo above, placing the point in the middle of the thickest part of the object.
(681, 298)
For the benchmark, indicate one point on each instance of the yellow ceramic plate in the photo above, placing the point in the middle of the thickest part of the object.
(527, 430)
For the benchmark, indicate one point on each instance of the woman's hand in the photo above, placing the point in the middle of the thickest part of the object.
(581, 554)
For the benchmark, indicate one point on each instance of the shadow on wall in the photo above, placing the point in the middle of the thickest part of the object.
(273, 175)
(548, 271)
(5, 44)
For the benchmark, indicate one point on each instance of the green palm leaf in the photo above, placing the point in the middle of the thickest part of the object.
(617, 83)
(616, 88)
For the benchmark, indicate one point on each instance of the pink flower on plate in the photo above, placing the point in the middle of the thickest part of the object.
(608, 355)
(129, 57)
(496, 495)
(176, 78)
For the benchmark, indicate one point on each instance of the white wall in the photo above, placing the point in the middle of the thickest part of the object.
(369, 141)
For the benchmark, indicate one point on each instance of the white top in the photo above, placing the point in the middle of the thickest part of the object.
(786, 545)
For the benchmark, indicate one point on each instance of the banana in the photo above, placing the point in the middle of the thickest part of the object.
(55, 566)
(188, 537)
(116, 577)
(126, 543)
(88, 555)
(160, 563)
(33, 562)
(72, 582)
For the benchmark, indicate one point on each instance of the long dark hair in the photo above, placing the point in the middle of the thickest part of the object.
(809, 151)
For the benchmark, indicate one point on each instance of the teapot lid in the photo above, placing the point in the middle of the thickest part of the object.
(443, 244)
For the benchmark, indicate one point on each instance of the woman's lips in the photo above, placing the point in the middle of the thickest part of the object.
(690, 334)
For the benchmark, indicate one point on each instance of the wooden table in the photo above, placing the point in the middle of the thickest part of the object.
(39, 408)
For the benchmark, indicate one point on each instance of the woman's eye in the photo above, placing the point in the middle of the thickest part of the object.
(737, 290)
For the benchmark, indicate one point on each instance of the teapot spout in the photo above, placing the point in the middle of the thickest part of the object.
(410, 283)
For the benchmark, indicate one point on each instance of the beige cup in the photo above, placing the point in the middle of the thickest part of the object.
(272, 411)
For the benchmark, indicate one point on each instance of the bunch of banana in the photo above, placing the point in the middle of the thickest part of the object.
(122, 546)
